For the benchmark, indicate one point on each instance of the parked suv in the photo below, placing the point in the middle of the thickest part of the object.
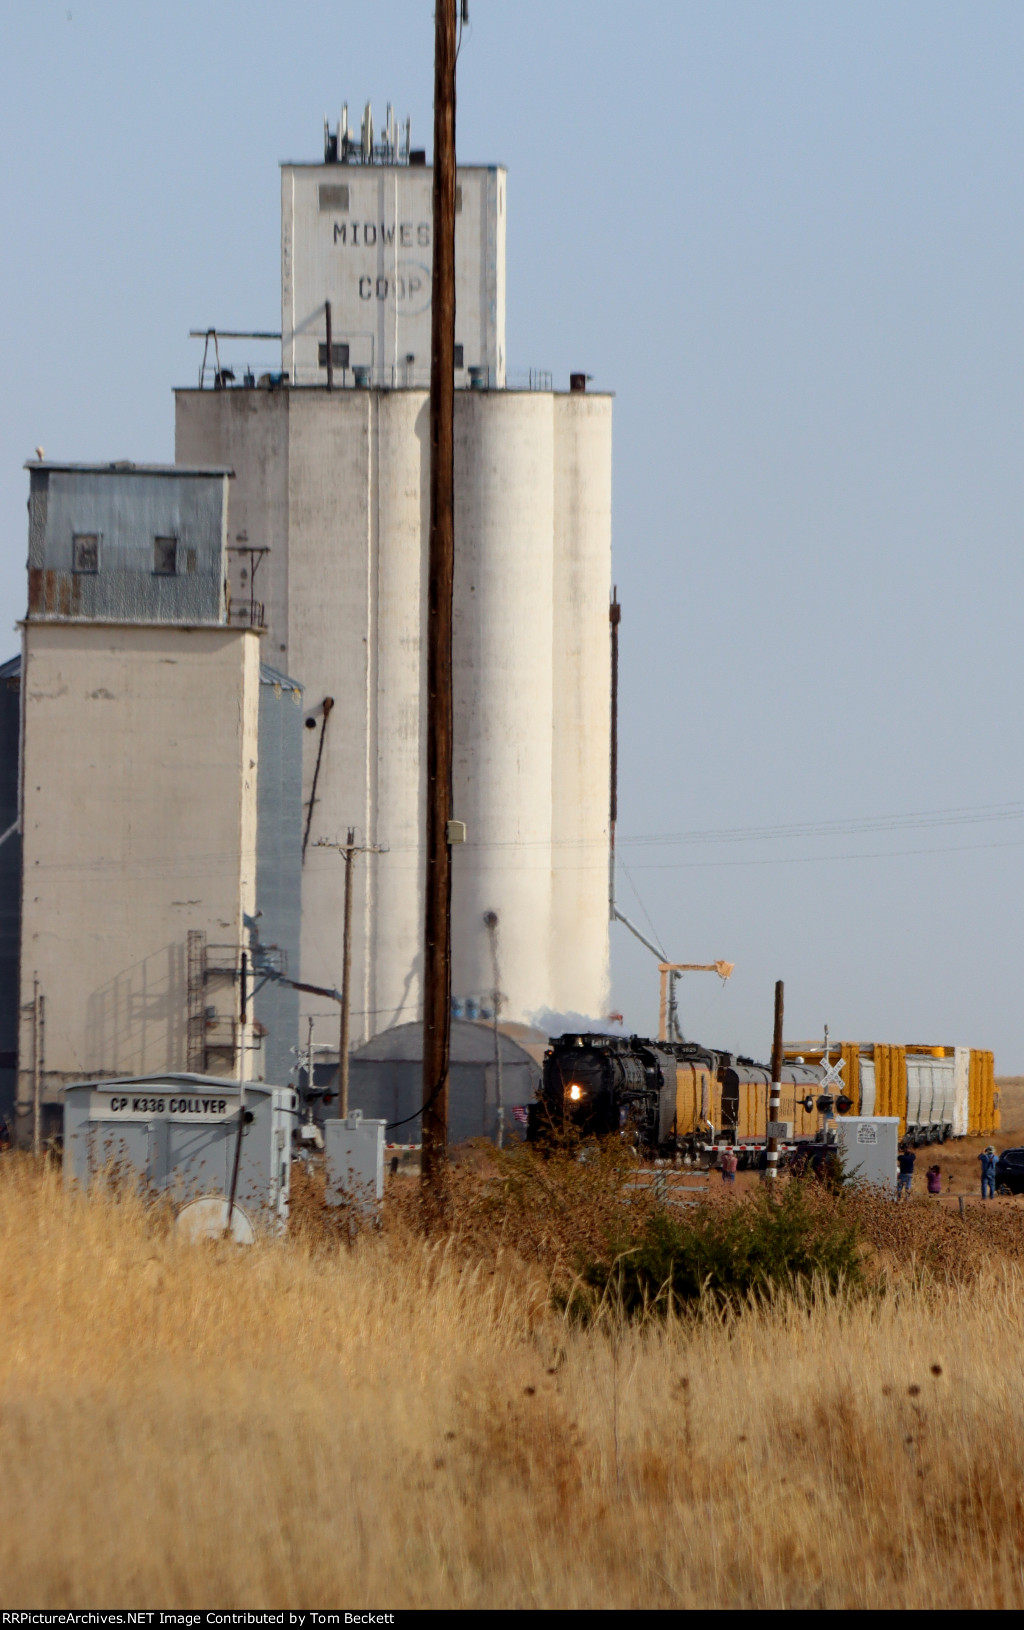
(1010, 1172)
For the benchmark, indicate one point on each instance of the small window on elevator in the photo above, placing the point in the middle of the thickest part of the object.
(165, 557)
(85, 552)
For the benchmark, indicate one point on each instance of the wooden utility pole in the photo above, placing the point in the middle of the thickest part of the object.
(491, 924)
(437, 971)
(346, 972)
(614, 618)
(37, 1069)
(243, 990)
(775, 1092)
(349, 849)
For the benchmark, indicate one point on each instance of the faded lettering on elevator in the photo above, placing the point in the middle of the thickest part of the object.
(366, 235)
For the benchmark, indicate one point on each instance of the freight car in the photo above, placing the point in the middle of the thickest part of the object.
(937, 1092)
(667, 1097)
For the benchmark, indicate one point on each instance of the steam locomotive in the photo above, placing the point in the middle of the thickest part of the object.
(665, 1096)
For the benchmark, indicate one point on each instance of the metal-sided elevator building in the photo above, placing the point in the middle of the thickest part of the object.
(160, 816)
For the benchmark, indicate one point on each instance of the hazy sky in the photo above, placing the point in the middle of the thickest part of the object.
(790, 238)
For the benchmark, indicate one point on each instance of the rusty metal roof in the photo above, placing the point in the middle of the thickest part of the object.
(126, 467)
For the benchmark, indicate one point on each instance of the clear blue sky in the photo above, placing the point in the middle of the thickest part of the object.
(790, 237)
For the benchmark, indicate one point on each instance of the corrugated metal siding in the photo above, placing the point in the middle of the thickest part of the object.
(127, 510)
(753, 1110)
(851, 1074)
(279, 864)
(791, 1108)
(982, 1115)
(891, 1083)
(694, 1098)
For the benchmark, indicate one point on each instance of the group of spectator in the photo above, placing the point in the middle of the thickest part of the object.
(933, 1177)
(905, 1163)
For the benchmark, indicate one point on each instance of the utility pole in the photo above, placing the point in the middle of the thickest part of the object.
(349, 849)
(36, 1068)
(242, 1016)
(491, 924)
(775, 1093)
(346, 970)
(437, 970)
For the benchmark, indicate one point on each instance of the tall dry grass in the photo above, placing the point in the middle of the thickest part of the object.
(400, 1425)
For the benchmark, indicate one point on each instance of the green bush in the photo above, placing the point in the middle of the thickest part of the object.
(797, 1238)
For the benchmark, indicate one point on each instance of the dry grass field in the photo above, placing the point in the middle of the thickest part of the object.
(409, 1423)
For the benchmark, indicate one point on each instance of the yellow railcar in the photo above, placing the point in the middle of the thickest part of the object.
(937, 1092)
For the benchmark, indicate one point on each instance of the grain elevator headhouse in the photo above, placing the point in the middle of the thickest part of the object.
(356, 236)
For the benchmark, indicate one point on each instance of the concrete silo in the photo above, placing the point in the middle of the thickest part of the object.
(581, 718)
(354, 568)
(335, 485)
(502, 649)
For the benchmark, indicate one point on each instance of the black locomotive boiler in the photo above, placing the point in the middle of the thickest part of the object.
(600, 1084)
(661, 1096)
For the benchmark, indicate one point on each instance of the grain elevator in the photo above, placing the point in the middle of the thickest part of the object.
(330, 496)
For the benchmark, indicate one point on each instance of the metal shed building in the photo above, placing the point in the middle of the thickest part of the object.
(386, 1081)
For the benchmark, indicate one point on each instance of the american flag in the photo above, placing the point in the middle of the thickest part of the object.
(521, 1113)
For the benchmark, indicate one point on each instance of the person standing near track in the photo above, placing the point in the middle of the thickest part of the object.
(728, 1164)
(988, 1172)
(905, 1165)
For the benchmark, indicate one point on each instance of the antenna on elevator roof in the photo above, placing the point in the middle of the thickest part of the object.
(345, 145)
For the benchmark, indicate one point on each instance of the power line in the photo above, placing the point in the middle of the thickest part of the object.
(965, 815)
(810, 860)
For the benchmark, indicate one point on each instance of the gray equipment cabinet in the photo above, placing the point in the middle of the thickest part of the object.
(869, 1145)
(354, 1157)
(176, 1134)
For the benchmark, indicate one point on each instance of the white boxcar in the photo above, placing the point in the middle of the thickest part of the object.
(177, 1135)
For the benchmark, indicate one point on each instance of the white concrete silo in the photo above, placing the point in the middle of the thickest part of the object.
(335, 485)
(504, 487)
(581, 715)
(358, 479)
(393, 919)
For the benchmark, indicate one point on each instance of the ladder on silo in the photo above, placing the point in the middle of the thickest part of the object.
(196, 973)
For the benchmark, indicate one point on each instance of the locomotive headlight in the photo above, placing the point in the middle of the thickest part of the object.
(575, 1093)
